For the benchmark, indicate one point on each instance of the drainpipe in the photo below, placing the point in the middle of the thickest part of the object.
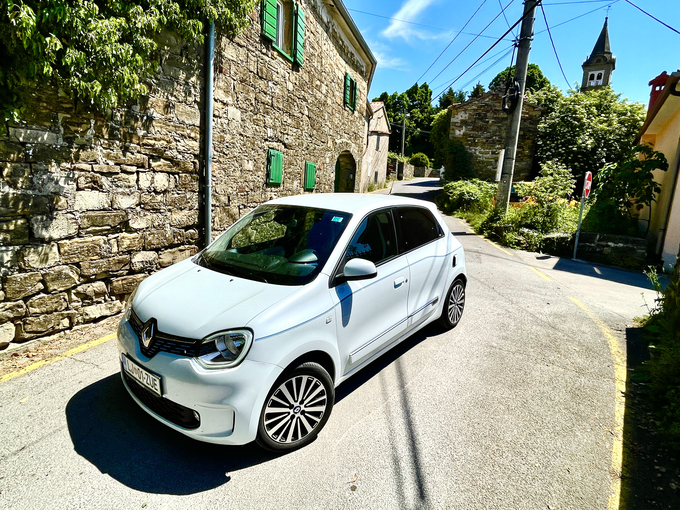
(207, 147)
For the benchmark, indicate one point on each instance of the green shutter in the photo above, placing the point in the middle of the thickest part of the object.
(310, 175)
(348, 89)
(353, 101)
(299, 42)
(274, 168)
(269, 19)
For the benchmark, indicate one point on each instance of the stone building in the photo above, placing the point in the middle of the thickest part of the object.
(374, 162)
(480, 124)
(598, 67)
(90, 204)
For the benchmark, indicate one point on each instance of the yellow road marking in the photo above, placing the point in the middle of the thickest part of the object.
(539, 274)
(68, 353)
(494, 244)
(620, 377)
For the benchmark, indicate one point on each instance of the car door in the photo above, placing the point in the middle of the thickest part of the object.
(422, 241)
(371, 313)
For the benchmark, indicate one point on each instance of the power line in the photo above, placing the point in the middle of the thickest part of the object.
(553, 45)
(505, 51)
(452, 40)
(473, 40)
(654, 18)
(500, 4)
(579, 16)
(579, 2)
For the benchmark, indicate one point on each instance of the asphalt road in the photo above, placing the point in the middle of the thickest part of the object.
(515, 408)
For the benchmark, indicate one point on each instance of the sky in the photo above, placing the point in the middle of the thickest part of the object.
(642, 46)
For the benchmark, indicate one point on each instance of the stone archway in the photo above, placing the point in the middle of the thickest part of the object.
(345, 173)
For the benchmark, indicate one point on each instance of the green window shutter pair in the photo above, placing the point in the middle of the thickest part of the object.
(310, 175)
(274, 168)
(299, 42)
(269, 19)
(350, 92)
(270, 27)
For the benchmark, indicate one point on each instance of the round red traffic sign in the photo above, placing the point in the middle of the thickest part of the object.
(588, 184)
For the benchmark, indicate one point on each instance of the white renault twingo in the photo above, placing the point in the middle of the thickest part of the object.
(248, 339)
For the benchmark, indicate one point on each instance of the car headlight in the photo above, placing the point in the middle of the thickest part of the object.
(128, 304)
(225, 349)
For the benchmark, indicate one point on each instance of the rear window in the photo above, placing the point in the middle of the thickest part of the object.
(416, 226)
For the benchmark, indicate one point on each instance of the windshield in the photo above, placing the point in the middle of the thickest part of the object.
(280, 244)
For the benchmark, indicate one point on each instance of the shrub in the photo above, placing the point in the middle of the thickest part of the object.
(393, 156)
(473, 195)
(419, 159)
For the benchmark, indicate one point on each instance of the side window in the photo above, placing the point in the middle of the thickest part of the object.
(416, 227)
(350, 92)
(374, 239)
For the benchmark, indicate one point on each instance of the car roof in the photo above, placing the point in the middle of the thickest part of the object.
(355, 203)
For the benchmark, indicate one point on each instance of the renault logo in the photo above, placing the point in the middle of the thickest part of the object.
(148, 332)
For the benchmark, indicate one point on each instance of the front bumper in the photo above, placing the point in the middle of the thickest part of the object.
(228, 402)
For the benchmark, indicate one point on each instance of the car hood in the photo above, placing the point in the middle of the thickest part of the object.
(192, 301)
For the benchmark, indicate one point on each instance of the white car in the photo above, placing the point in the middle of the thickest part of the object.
(248, 339)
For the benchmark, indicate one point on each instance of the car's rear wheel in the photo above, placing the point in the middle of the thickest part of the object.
(296, 409)
(454, 305)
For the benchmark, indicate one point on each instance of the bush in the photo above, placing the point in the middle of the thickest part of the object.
(419, 159)
(473, 195)
(393, 156)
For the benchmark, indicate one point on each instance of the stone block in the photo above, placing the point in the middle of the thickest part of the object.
(77, 250)
(181, 201)
(188, 114)
(40, 256)
(106, 169)
(126, 158)
(61, 278)
(178, 236)
(110, 265)
(162, 165)
(9, 257)
(129, 168)
(161, 181)
(92, 181)
(7, 334)
(153, 201)
(92, 312)
(17, 175)
(169, 257)
(191, 236)
(47, 303)
(224, 217)
(54, 227)
(26, 135)
(14, 232)
(92, 290)
(23, 284)
(188, 182)
(44, 324)
(125, 200)
(140, 221)
(144, 260)
(11, 151)
(145, 180)
(12, 310)
(125, 284)
(20, 204)
(130, 242)
(124, 180)
(183, 219)
(158, 239)
(92, 201)
(102, 219)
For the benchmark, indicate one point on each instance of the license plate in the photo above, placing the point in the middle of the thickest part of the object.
(143, 377)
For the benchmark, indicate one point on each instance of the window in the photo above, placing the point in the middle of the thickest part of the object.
(591, 77)
(377, 143)
(350, 92)
(274, 168)
(374, 239)
(283, 23)
(310, 176)
(416, 227)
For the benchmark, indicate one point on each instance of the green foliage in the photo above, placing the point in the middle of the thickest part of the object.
(663, 331)
(101, 52)
(586, 131)
(419, 159)
(393, 156)
(535, 79)
(452, 97)
(555, 182)
(473, 195)
(449, 153)
(439, 136)
(477, 90)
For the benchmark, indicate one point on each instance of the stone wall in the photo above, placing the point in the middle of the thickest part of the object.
(622, 251)
(480, 124)
(91, 204)
(424, 171)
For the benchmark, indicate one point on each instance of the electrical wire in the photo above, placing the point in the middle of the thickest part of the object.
(554, 48)
(654, 18)
(505, 51)
(452, 40)
(579, 16)
(500, 4)
(579, 2)
(473, 40)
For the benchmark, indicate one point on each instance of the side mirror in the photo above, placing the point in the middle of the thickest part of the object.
(359, 269)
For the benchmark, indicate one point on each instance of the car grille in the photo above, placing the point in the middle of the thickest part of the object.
(171, 411)
(166, 343)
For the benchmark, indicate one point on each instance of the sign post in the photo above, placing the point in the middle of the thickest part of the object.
(587, 185)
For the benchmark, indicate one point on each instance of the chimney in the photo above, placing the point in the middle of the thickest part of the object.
(657, 85)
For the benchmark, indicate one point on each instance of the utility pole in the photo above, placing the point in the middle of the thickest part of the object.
(526, 35)
(403, 133)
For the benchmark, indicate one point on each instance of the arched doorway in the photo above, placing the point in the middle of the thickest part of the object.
(345, 173)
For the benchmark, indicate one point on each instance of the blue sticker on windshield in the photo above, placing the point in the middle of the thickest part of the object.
(337, 219)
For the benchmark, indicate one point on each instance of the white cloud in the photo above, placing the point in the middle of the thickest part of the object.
(408, 12)
(381, 52)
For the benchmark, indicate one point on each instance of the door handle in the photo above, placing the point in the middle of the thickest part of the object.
(399, 282)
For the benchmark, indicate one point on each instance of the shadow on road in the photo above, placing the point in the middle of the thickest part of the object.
(110, 431)
(611, 274)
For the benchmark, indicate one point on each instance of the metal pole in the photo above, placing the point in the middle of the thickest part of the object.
(403, 134)
(207, 148)
(578, 230)
(526, 35)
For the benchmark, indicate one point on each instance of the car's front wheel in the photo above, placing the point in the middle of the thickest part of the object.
(454, 305)
(296, 409)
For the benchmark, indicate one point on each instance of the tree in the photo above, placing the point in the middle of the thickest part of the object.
(449, 153)
(101, 52)
(535, 79)
(477, 90)
(586, 131)
(452, 97)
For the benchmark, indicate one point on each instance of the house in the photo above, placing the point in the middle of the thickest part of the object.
(661, 130)
(374, 162)
(91, 202)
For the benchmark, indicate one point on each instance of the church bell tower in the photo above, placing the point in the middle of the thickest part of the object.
(598, 67)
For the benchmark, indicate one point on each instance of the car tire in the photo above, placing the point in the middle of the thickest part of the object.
(452, 311)
(296, 409)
